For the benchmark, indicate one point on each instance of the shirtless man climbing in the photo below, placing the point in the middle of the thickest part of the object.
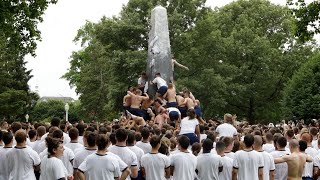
(181, 105)
(188, 101)
(296, 160)
(171, 95)
(136, 100)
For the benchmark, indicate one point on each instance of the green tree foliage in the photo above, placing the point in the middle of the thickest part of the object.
(306, 18)
(302, 93)
(240, 56)
(54, 108)
(18, 36)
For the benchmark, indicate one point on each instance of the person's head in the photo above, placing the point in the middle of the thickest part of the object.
(145, 133)
(58, 134)
(144, 75)
(228, 141)
(269, 137)
(55, 146)
(313, 131)
(102, 141)
(211, 136)
(228, 118)
(121, 135)
(32, 134)
(7, 138)
(155, 142)
(281, 142)
(81, 128)
(257, 145)
(173, 143)
(15, 126)
(191, 113)
(303, 145)
(196, 148)
(41, 130)
(91, 139)
(158, 74)
(184, 142)
(103, 130)
(55, 121)
(131, 139)
(290, 134)
(306, 137)
(207, 145)
(248, 140)
(20, 136)
(113, 138)
(220, 147)
(74, 134)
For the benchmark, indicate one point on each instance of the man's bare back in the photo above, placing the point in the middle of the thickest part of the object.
(180, 101)
(171, 95)
(189, 102)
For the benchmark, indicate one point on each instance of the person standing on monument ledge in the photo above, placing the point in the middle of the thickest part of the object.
(161, 85)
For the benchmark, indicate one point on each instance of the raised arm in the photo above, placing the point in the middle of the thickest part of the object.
(180, 65)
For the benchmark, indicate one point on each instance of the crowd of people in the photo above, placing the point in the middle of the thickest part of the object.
(159, 138)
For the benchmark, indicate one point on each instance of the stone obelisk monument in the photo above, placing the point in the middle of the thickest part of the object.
(159, 53)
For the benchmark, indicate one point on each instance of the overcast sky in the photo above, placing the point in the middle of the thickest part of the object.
(60, 25)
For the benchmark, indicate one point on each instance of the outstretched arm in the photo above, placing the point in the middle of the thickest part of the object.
(180, 65)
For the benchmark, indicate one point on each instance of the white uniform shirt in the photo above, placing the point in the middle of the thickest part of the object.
(208, 166)
(102, 167)
(229, 154)
(268, 148)
(52, 169)
(226, 129)
(145, 146)
(268, 164)
(39, 146)
(80, 155)
(188, 125)
(185, 164)
(227, 164)
(139, 153)
(314, 144)
(160, 82)
(68, 156)
(20, 162)
(281, 170)
(73, 146)
(66, 138)
(3, 164)
(248, 164)
(308, 167)
(155, 165)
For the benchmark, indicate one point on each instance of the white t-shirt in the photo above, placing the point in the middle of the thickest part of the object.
(39, 146)
(160, 82)
(227, 164)
(73, 146)
(308, 167)
(281, 169)
(226, 129)
(68, 156)
(52, 169)
(81, 155)
(203, 137)
(268, 148)
(20, 162)
(314, 144)
(104, 167)
(139, 153)
(3, 164)
(248, 164)
(141, 81)
(66, 138)
(208, 166)
(188, 125)
(185, 164)
(155, 165)
(80, 140)
(268, 164)
(229, 154)
(170, 109)
(145, 146)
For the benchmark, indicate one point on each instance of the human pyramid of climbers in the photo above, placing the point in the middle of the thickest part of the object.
(159, 138)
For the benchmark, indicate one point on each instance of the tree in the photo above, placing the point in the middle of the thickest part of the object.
(18, 36)
(241, 57)
(306, 18)
(302, 93)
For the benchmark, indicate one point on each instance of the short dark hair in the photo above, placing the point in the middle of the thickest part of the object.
(290, 133)
(248, 140)
(91, 139)
(55, 121)
(113, 138)
(103, 130)
(20, 136)
(154, 141)
(102, 141)
(220, 146)
(207, 145)
(52, 143)
(7, 137)
(121, 135)
(158, 74)
(15, 126)
(303, 145)
(131, 138)
(73, 133)
(145, 133)
(282, 142)
(32, 133)
(41, 130)
(81, 128)
(57, 134)
(184, 141)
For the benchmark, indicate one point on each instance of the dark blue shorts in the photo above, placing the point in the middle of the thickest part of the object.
(197, 110)
(193, 138)
(162, 90)
(174, 115)
(137, 112)
(183, 111)
(172, 104)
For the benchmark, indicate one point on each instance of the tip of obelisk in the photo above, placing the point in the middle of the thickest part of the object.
(159, 7)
